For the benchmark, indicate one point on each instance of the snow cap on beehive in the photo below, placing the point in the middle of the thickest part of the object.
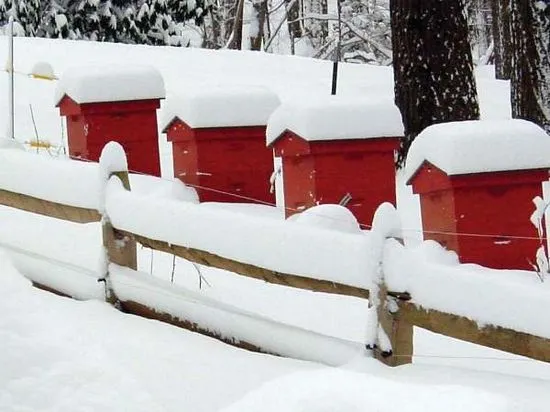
(96, 84)
(221, 106)
(480, 146)
(336, 118)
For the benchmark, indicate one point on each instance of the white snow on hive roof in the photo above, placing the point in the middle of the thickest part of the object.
(480, 146)
(335, 118)
(219, 106)
(93, 84)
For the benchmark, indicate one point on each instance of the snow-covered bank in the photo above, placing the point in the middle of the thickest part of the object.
(64, 255)
(63, 355)
(230, 321)
(321, 394)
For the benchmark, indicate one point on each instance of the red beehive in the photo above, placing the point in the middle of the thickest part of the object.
(218, 143)
(118, 104)
(476, 182)
(333, 148)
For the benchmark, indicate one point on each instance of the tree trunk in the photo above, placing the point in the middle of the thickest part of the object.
(257, 23)
(433, 70)
(212, 38)
(530, 76)
(315, 29)
(480, 30)
(237, 35)
(292, 17)
(502, 37)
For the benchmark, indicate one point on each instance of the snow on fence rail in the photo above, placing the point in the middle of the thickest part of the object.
(275, 248)
(236, 244)
(51, 186)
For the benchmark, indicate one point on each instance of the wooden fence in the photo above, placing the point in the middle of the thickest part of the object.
(398, 325)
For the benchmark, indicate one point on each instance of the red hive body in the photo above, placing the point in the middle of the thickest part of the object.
(321, 172)
(498, 204)
(133, 124)
(222, 160)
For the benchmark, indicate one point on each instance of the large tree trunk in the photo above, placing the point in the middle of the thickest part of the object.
(433, 70)
(530, 77)
(502, 37)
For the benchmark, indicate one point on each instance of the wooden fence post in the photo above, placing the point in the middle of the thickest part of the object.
(398, 331)
(120, 248)
(386, 224)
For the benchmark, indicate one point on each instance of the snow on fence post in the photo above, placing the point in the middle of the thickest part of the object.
(120, 249)
(390, 336)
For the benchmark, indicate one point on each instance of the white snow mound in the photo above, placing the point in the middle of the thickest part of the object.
(163, 188)
(344, 391)
(332, 217)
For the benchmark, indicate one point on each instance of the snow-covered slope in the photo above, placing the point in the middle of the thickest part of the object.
(62, 355)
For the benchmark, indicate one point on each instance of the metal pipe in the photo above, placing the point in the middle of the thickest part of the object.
(338, 46)
(11, 111)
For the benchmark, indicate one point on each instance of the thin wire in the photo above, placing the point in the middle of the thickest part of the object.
(210, 189)
(504, 237)
(496, 358)
(362, 225)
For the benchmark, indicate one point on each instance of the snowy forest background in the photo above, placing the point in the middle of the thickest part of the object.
(310, 26)
(433, 45)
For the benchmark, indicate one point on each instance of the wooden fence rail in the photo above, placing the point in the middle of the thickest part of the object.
(398, 325)
(459, 327)
(48, 208)
(211, 260)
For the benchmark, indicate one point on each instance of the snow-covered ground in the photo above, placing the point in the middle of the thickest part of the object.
(66, 355)
(61, 355)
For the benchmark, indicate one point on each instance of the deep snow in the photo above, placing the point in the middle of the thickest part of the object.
(66, 355)
(61, 355)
